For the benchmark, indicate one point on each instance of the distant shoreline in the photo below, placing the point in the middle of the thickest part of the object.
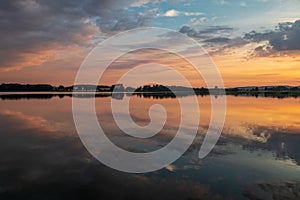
(151, 90)
(16, 87)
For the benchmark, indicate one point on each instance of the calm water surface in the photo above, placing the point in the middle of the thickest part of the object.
(42, 156)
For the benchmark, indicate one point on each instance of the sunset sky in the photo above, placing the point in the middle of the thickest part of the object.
(252, 42)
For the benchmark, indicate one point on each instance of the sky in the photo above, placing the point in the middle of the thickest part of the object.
(252, 42)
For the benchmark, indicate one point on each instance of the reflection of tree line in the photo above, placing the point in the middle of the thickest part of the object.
(273, 94)
(118, 91)
(120, 96)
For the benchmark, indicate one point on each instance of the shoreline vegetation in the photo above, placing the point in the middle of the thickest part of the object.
(155, 91)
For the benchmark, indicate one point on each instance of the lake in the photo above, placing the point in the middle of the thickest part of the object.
(42, 156)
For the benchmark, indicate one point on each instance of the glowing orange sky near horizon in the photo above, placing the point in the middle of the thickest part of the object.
(235, 68)
(236, 71)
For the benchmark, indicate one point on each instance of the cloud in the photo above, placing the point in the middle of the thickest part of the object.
(254, 36)
(139, 3)
(196, 22)
(283, 40)
(205, 32)
(223, 2)
(32, 122)
(130, 22)
(171, 13)
(203, 19)
(286, 37)
(32, 31)
(218, 40)
(243, 4)
(193, 13)
(175, 13)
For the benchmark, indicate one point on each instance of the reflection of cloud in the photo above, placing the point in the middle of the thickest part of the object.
(171, 168)
(273, 190)
(284, 143)
(63, 168)
(247, 132)
(32, 122)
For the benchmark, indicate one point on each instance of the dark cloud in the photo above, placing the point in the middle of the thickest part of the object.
(218, 40)
(285, 37)
(129, 23)
(32, 26)
(206, 32)
(254, 36)
(191, 32)
(215, 38)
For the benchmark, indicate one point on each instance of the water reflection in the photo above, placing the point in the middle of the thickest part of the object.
(116, 95)
(121, 95)
(42, 156)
